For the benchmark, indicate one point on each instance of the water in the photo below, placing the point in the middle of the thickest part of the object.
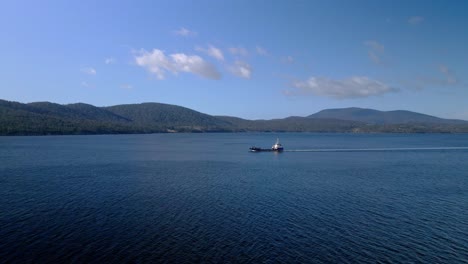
(181, 198)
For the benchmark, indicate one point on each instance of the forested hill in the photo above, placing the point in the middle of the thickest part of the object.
(45, 118)
(382, 117)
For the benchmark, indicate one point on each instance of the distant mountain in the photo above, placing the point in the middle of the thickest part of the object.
(45, 118)
(292, 124)
(382, 117)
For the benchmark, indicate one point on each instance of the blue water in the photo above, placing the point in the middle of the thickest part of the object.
(180, 198)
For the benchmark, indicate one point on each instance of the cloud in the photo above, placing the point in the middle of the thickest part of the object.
(241, 69)
(415, 20)
(212, 51)
(87, 85)
(194, 64)
(261, 51)
(450, 77)
(353, 87)
(155, 62)
(238, 51)
(374, 45)
(158, 63)
(374, 57)
(88, 70)
(126, 86)
(287, 60)
(110, 60)
(424, 81)
(376, 51)
(185, 32)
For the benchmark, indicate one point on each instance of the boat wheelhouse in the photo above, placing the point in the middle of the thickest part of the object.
(277, 146)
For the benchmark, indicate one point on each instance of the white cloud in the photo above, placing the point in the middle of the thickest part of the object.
(110, 60)
(126, 86)
(194, 64)
(238, 51)
(375, 45)
(212, 51)
(374, 57)
(241, 69)
(185, 32)
(87, 85)
(421, 82)
(450, 77)
(158, 63)
(376, 51)
(287, 60)
(88, 70)
(261, 51)
(353, 87)
(424, 81)
(155, 62)
(415, 20)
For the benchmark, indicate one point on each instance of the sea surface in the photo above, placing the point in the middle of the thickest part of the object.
(184, 198)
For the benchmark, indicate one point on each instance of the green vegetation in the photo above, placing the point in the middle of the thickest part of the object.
(44, 118)
(372, 116)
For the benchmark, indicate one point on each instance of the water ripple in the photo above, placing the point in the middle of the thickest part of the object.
(127, 207)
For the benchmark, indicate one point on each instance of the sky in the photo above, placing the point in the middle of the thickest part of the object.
(251, 59)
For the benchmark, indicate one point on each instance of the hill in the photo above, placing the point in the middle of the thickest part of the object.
(45, 118)
(292, 124)
(372, 116)
(169, 117)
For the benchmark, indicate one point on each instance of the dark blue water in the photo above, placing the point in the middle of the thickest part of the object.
(180, 198)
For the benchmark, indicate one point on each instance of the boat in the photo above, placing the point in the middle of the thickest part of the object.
(255, 149)
(277, 147)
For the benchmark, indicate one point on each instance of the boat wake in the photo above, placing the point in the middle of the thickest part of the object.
(376, 149)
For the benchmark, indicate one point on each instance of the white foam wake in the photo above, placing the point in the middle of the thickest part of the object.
(376, 149)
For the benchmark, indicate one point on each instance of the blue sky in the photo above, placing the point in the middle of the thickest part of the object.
(252, 59)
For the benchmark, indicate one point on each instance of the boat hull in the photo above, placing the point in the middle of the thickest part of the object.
(264, 150)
